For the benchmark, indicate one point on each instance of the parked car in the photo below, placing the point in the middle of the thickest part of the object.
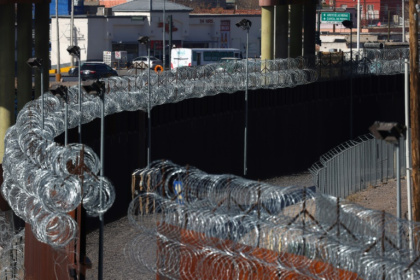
(142, 62)
(74, 72)
(96, 70)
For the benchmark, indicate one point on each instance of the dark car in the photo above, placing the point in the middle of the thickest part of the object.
(73, 72)
(98, 70)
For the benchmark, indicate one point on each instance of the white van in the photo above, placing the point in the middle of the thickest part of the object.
(181, 57)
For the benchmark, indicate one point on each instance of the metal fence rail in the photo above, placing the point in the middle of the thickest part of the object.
(355, 165)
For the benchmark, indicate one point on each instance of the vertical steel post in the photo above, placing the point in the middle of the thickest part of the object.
(246, 107)
(101, 217)
(79, 97)
(58, 41)
(397, 153)
(164, 36)
(408, 156)
(170, 39)
(398, 175)
(42, 97)
(407, 140)
(148, 106)
(403, 22)
(66, 114)
(72, 30)
(351, 84)
(358, 25)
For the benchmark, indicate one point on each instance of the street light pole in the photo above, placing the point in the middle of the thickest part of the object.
(98, 88)
(245, 25)
(62, 92)
(74, 51)
(36, 63)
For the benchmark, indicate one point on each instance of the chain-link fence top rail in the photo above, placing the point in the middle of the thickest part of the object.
(193, 222)
(357, 164)
(43, 180)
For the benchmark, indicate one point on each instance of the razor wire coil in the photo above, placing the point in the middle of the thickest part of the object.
(312, 235)
(33, 160)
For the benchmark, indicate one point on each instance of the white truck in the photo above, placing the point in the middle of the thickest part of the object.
(182, 57)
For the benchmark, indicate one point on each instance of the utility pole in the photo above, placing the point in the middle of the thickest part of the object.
(414, 108)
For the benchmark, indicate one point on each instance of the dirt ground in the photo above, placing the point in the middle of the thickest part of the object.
(383, 197)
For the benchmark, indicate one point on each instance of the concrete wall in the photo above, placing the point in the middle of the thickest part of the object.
(80, 35)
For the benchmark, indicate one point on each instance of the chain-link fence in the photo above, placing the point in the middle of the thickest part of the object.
(357, 164)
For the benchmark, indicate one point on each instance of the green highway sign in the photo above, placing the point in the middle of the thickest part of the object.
(334, 17)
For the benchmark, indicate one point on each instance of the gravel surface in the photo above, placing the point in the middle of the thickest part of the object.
(119, 234)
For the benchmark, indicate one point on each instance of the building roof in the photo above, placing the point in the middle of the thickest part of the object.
(157, 5)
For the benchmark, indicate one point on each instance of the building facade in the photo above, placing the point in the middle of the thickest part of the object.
(95, 34)
(373, 12)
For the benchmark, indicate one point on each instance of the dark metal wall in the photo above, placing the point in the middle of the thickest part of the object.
(288, 130)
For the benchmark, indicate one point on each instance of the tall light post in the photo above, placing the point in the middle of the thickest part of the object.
(97, 88)
(62, 92)
(74, 51)
(349, 24)
(245, 24)
(144, 40)
(36, 63)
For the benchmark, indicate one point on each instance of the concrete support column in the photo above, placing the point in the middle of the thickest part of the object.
(296, 12)
(7, 71)
(24, 52)
(309, 26)
(282, 31)
(42, 27)
(267, 32)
